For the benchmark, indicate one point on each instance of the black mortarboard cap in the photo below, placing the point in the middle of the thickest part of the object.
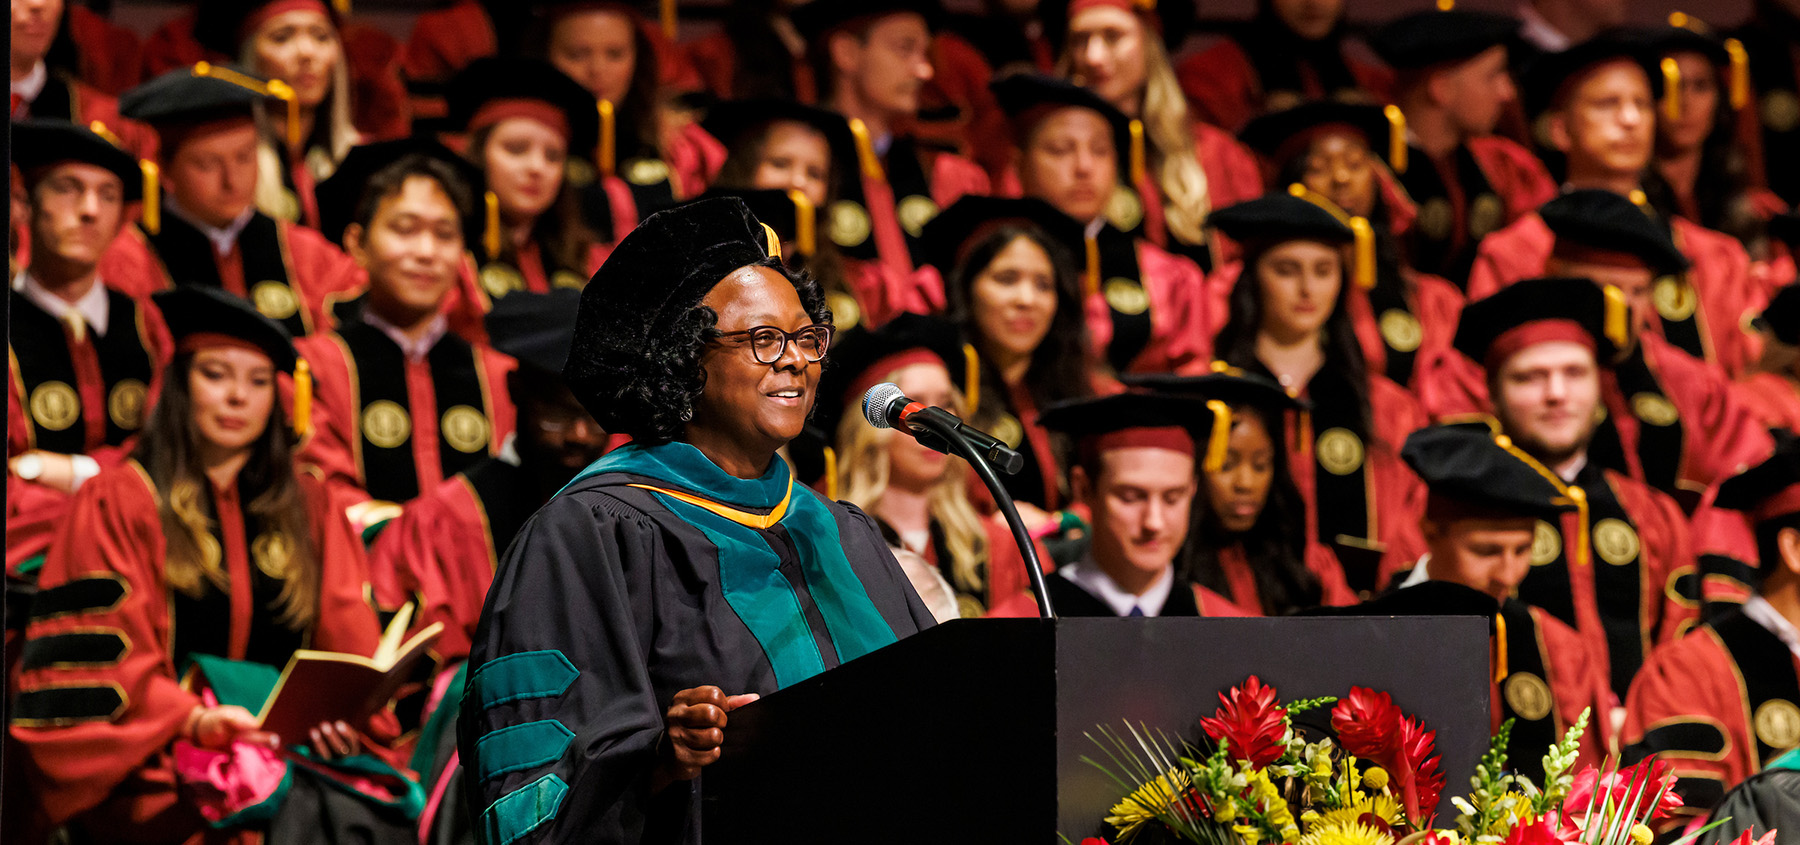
(658, 272)
(219, 24)
(1020, 94)
(1600, 311)
(339, 196)
(1473, 467)
(1781, 317)
(535, 328)
(1137, 418)
(1666, 40)
(782, 213)
(856, 352)
(1600, 219)
(42, 142)
(1172, 18)
(1232, 386)
(1769, 490)
(947, 237)
(732, 121)
(1276, 135)
(1423, 39)
(495, 78)
(1280, 217)
(183, 96)
(818, 18)
(202, 309)
(1546, 76)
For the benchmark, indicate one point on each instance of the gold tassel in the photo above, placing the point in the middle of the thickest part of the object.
(1617, 324)
(1678, 19)
(1138, 168)
(342, 7)
(605, 158)
(1220, 438)
(1396, 138)
(831, 479)
(285, 92)
(1365, 252)
(774, 240)
(1581, 530)
(99, 128)
(152, 209)
(303, 391)
(1090, 277)
(1500, 668)
(971, 377)
(671, 27)
(1671, 71)
(490, 234)
(1740, 73)
(865, 150)
(806, 220)
(1446, 5)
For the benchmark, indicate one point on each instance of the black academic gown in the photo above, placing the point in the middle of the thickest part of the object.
(1071, 600)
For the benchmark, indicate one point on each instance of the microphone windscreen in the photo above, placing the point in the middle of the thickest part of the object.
(877, 401)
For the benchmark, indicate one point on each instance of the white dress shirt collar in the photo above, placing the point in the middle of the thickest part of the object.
(1087, 575)
(222, 239)
(1762, 613)
(32, 85)
(415, 349)
(92, 306)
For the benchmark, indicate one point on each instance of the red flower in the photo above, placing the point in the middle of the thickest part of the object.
(1745, 839)
(1250, 722)
(1094, 840)
(1646, 778)
(1367, 724)
(1370, 726)
(1533, 833)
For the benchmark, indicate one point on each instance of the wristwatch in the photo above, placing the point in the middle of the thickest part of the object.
(29, 467)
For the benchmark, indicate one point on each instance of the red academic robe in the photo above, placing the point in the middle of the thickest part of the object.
(1005, 575)
(714, 60)
(960, 82)
(1485, 184)
(532, 271)
(109, 52)
(945, 179)
(1169, 289)
(1241, 581)
(66, 98)
(87, 396)
(388, 428)
(1719, 704)
(1224, 89)
(1414, 334)
(1718, 296)
(882, 293)
(1772, 397)
(289, 272)
(97, 715)
(1725, 543)
(1233, 175)
(1545, 656)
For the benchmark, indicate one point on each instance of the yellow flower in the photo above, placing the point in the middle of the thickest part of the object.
(1641, 834)
(1250, 834)
(1275, 808)
(1375, 778)
(1157, 796)
(1354, 833)
(1382, 806)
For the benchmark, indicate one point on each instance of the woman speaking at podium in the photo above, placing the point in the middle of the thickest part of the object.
(683, 575)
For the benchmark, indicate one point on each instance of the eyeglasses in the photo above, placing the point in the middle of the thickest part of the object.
(768, 343)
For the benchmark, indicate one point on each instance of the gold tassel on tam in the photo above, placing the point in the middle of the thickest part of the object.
(1500, 669)
(806, 219)
(774, 240)
(831, 480)
(285, 93)
(1671, 71)
(1396, 138)
(1365, 252)
(865, 150)
(1138, 168)
(971, 378)
(1090, 277)
(490, 233)
(605, 157)
(1618, 317)
(1220, 437)
(1446, 5)
(1740, 73)
(303, 391)
(152, 213)
(342, 7)
(670, 24)
(100, 129)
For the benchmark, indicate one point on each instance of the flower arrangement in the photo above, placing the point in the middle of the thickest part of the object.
(1376, 784)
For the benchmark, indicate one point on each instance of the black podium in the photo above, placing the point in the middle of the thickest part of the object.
(974, 731)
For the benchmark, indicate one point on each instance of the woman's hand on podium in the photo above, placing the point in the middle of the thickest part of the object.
(695, 731)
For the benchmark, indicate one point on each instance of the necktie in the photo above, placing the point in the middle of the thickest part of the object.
(77, 326)
(1136, 611)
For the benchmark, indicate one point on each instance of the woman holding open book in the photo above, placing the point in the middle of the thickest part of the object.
(207, 544)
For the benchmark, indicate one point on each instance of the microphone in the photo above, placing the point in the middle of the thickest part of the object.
(884, 406)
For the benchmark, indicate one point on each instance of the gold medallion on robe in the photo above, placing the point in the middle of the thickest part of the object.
(568, 279)
(54, 406)
(465, 429)
(274, 300)
(1126, 296)
(1528, 696)
(500, 279)
(579, 172)
(385, 424)
(1778, 723)
(1675, 299)
(1486, 214)
(1654, 409)
(1401, 330)
(125, 404)
(646, 171)
(849, 223)
(1339, 451)
(1546, 543)
(846, 314)
(914, 212)
(1780, 111)
(1616, 542)
(1435, 218)
(271, 553)
(1124, 209)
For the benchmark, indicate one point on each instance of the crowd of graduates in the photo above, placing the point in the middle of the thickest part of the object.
(1456, 312)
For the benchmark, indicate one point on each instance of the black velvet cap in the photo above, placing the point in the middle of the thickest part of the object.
(1601, 219)
(1103, 415)
(1423, 39)
(41, 143)
(219, 24)
(182, 96)
(515, 78)
(1668, 40)
(947, 236)
(1233, 387)
(1280, 217)
(733, 121)
(658, 272)
(1580, 301)
(1022, 93)
(819, 18)
(535, 328)
(202, 309)
(1468, 465)
(1173, 18)
(339, 196)
(1269, 133)
(1755, 490)
(1545, 78)
(854, 353)
(1781, 317)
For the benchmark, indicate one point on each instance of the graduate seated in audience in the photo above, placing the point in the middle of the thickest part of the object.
(1291, 52)
(871, 61)
(1290, 322)
(207, 545)
(809, 153)
(102, 53)
(1014, 295)
(1336, 150)
(301, 45)
(525, 121)
(1723, 703)
(402, 401)
(40, 91)
(84, 356)
(207, 229)
(1772, 391)
(1151, 313)
(1771, 124)
(1481, 528)
(918, 497)
(1181, 167)
(1453, 87)
(1135, 474)
(1249, 541)
(1614, 571)
(1600, 104)
(757, 52)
